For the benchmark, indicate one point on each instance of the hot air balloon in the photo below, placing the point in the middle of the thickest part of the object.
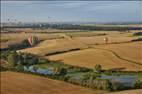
(33, 40)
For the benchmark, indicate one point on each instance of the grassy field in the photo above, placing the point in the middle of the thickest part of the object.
(19, 83)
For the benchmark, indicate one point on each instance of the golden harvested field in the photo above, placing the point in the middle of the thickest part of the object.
(90, 57)
(68, 43)
(131, 51)
(56, 45)
(60, 42)
(12, 38)
(19, 83)
(84, 37)
(113, 37)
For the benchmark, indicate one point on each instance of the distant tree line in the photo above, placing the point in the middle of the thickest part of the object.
(76, 27)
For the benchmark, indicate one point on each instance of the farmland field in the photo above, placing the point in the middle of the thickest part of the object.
(90, 57)
(19, 83)
(92, 50)
(100, 54)
(131, 51)
(56, 45)
(71, 47)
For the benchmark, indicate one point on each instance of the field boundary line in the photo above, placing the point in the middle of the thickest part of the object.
(119, 56)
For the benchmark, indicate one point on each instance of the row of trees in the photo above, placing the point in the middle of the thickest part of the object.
(76, 27)
(90, 79)
(18, 60)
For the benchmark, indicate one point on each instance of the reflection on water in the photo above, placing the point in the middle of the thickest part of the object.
(125, 80)
(48, 71)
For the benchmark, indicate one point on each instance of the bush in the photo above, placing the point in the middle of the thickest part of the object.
(138, 39)
(138, 84)
(34, 40)
(13, 59)
(137, 34)
(98, 68)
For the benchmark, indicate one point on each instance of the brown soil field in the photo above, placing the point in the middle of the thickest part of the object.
(131, 51)
(138, 91)
(90, 57)
(19, 83)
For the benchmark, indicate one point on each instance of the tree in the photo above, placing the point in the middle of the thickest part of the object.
(98, 68)
(35, 68)
(13, 59)
(108, 85)
(19, 67)
(63, 71)
(60, 71)
(34, 40)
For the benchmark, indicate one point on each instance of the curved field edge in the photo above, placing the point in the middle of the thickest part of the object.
(90, 57)
(118, 56)
(129, 51)
(20, 83)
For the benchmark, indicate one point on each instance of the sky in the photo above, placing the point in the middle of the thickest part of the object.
(71, 11)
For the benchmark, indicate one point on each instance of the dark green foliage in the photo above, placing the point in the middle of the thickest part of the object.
(66, 78)
(42, 60)
(24, 59)
(137, 34)
(138, 84)
(2, 68)
(35, 68)
(98, 68)
(60, 71)
(108, 86)
(138, 39)
(13, 59)
(19, 67)
(22, 45)
(34, 40)
(63, 71)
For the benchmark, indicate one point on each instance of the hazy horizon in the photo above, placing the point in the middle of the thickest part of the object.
(71, 11)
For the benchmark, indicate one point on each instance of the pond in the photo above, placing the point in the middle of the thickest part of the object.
(123, 79)
(48, 71)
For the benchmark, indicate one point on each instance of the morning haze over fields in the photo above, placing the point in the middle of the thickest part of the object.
(71, 47)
